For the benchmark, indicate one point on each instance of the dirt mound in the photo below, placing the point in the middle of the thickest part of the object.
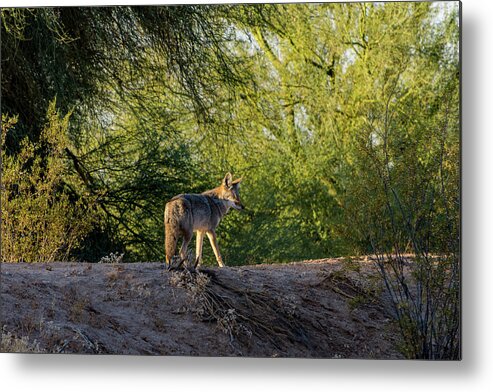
(325, 308)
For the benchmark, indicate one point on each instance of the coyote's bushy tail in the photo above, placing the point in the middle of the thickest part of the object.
(175, 215)
(170, 243)
(170, 235)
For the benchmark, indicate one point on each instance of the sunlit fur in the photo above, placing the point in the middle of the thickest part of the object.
(200, 213)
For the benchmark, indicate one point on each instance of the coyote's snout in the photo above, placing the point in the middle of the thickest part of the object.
(201, 213)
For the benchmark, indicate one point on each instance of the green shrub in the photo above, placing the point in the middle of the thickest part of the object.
(42, 220)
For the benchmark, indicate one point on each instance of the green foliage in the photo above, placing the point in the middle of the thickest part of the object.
(40, 220)
(308, 132)
(127, 87)
(318, 115)
(345, 135)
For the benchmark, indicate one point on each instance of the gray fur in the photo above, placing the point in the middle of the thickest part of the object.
(200, 213)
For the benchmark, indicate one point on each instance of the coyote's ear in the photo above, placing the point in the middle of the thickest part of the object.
(228, 179)
(237, 181)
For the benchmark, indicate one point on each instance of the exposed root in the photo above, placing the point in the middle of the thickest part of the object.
(242, 314)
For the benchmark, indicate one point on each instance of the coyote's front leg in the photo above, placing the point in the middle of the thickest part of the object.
(212, 238)
(198, 253)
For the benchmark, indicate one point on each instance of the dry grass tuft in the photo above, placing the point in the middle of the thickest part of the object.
(356, 291)
(112, 258)
(113, 275)
(13, 344)
(193, 281)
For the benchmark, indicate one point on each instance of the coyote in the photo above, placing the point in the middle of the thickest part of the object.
(201, 213)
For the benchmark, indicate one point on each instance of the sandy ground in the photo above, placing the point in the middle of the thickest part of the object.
(316, 309)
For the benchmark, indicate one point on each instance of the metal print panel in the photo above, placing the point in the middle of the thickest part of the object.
(268, 180)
